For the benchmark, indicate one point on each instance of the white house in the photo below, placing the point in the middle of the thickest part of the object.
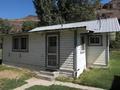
(66, 48)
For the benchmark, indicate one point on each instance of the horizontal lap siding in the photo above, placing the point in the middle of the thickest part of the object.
(96, 55)
(35, 56)
(66, 50)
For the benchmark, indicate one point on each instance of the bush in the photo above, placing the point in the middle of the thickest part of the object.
(4, 26)
(115, 44)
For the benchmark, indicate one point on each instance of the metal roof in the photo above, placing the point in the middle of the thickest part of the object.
(98, 26)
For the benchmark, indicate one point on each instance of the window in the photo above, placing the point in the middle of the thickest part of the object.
(20, 43)
(95, 40)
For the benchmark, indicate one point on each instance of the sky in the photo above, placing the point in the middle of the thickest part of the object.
(13, 9)
(105, 1)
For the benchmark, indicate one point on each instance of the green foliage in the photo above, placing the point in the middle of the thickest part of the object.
(3, 67)
(118, 36)
(4, 26)
(80, 13)
(64, 79)
(115, 44)
(100, 77)
(64, 11)
(28, 25)
(52, 87)
(46, 12)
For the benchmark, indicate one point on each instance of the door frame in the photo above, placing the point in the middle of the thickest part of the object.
(58, 50)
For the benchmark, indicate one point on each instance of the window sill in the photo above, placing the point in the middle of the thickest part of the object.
(95, 45)
(19, 50)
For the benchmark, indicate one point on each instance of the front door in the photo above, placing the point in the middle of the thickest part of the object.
(52, 51)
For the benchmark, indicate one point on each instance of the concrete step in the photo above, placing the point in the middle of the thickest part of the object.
(46, 73)
(45, 77)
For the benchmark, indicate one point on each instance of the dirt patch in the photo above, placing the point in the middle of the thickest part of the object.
(9, 74)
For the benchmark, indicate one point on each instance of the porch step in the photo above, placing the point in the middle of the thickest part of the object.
(45, 77)
(46, 73)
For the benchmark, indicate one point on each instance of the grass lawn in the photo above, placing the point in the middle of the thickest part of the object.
(18, 77)
(9, 84)
(52, 87)
(100, 77)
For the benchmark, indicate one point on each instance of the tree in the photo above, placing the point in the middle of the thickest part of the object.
(78, 10)
(4, 26)
(28, 25)
(47, 12)
(65, 11)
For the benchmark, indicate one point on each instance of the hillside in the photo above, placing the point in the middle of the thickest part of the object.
(111, 9)
(17, 23)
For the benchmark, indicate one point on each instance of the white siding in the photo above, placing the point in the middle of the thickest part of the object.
(81, 55)
(97, 55)
(66, 50)
(34, 57)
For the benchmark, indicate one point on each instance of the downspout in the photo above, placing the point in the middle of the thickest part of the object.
(75, 55)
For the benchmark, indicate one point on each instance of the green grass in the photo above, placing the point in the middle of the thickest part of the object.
(100, 77)
(3, 67)
(52, 87)
(9, 84)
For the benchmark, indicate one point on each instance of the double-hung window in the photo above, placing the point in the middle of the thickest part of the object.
(20, 43)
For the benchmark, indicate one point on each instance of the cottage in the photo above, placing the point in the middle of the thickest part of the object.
(66, 48)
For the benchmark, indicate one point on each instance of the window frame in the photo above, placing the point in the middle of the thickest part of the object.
(19, 43)
(95, 44)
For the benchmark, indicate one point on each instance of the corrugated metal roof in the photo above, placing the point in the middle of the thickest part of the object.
(103, 25)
